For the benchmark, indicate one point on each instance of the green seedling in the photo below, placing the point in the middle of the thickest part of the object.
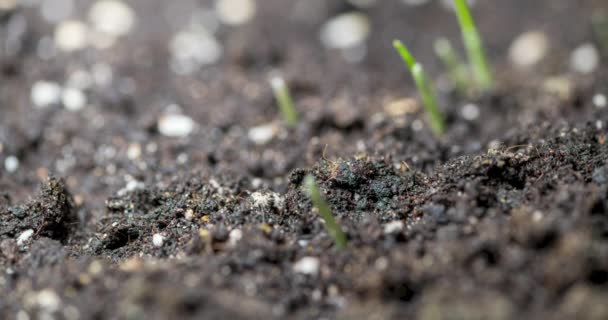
(599, 20)
(425, 89)
(457, 69)
(284, 100)
(474, 46)
(333, 228)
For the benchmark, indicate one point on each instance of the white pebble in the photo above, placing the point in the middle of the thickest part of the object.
(71, 35)
(393, 227)
(112, 17)
(345, 31)
(307, 265)
(48, 300)
(175, 125)
(600, 101)
(45, 93)
(263, 134)
(11, 164)
(585, 59)
(470, 112)
(73, 99)
(158, 240)
(529, 48)
(235, 12)
(234, 236)
(24, 236)
(192, 49)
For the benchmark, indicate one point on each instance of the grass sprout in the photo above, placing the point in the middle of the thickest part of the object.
(333, 228)
(474, 45)
(427, 94)
(457, 69)
(599, 20)
(284, 100)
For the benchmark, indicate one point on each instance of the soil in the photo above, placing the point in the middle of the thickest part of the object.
(504, 217)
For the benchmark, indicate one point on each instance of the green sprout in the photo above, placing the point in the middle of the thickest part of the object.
(457, 69)
(474, 46)
(333, 228)
(425, 89)
(599, 20)
(284, 100)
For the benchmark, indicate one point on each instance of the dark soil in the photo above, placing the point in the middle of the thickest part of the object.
(505, 217)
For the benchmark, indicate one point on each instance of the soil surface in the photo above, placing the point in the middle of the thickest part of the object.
(103, 215)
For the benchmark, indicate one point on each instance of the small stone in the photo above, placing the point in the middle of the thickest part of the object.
(189, 214)
(24, 236)
(529, 48)
(45, 93)
(401, 107)
(112, 17)
(175, 125)
(11, 164)
(393, 227)
(307, 265)
(71, 35)
(263, 134)
(73, 99)
(158, 240)
(235, 12)
(48, 300)
(234, 236)
(346, 30)
(470, 112)
(192, 49)
(585, 59)
(600, 101)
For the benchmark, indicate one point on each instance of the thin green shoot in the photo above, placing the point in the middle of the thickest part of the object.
(474, 46)
(333, 228)
(457, 69)
(599, 20)
(284, 100)
(427, 94)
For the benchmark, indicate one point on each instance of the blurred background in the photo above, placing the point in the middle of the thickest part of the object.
(112, 94)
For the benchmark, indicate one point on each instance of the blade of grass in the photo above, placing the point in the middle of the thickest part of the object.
(333, 228)
(474, 46)
(284, 100)
(427, 94)
(457, 69)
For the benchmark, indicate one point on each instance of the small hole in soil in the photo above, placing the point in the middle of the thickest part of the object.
(598, 277)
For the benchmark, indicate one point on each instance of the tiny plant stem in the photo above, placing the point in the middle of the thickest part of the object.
(599, 20)
(474, 46)
(457, 70)
(333, 228)
(284, 100)
(425, 89)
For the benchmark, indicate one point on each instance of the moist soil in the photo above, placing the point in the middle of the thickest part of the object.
(504, 217)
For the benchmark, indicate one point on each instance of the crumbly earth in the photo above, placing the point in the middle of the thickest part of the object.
(505, 217)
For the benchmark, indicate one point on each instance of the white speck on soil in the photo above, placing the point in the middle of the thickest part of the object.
(25, 236)
(585, 59)
(600, 101)
(48, 300)
(234, 236)
(73, 99)
(112, 17)
(346, 30)
(158, 240)
(529, 48)
(235, 12)
(470, 112)
(175, 125)
(192, 49)
(45, 93)
(393, 227)
(267, 199)
(71, 35)
(11, 164)
(307, 265)
(263, 134)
